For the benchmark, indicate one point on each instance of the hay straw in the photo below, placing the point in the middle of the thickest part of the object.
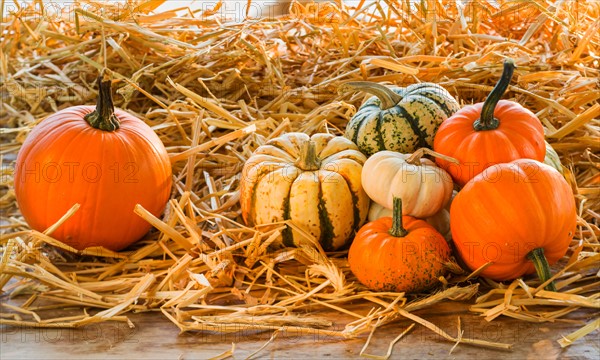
(271, 339)
(214, 90)
(576, 335)
(226, 354)
(390, 347)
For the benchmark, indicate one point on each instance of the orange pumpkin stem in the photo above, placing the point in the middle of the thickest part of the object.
(541, 267)
(415, 158)
(103, 118)
(308, 160)
(397, 229)
(386, 96)
(487, 121)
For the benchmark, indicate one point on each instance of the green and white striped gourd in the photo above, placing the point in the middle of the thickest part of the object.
(398, 119)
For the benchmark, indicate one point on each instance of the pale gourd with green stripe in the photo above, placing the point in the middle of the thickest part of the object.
(553, 159)
(398, 119)
(313, 181)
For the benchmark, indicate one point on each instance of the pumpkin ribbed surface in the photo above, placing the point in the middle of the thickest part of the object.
(398, 253)
(489, 133)
(65, 161)
(508, 210)
(519, 135)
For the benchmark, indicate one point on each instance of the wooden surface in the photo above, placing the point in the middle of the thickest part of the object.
(154, 337)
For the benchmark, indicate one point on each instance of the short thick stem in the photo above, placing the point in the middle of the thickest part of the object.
(387, 97)
(541, 266)
(487, 121)
(103, 117)
(308, 160)
(397, 229)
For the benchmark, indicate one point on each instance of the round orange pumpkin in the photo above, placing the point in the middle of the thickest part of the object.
(494, 132)
(520, 216)
(105, 159)
(398, 253)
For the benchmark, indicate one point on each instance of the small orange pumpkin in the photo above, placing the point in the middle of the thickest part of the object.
(520, 216)
(494, 132)
(105, 159)
(398, 253)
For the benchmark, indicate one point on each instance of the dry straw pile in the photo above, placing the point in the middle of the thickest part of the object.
(214, 90)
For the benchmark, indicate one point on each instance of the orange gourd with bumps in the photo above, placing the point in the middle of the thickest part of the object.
(398, 253)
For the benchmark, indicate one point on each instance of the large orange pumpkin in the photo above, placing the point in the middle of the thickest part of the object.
(102, 158)
(520, 216)
(398, 253)
(494, 132)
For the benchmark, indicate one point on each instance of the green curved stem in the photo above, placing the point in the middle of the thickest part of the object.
(103, 118)
(487, 121)
(397, 229)
(541, 267)
(308, 160)
(387, 97)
